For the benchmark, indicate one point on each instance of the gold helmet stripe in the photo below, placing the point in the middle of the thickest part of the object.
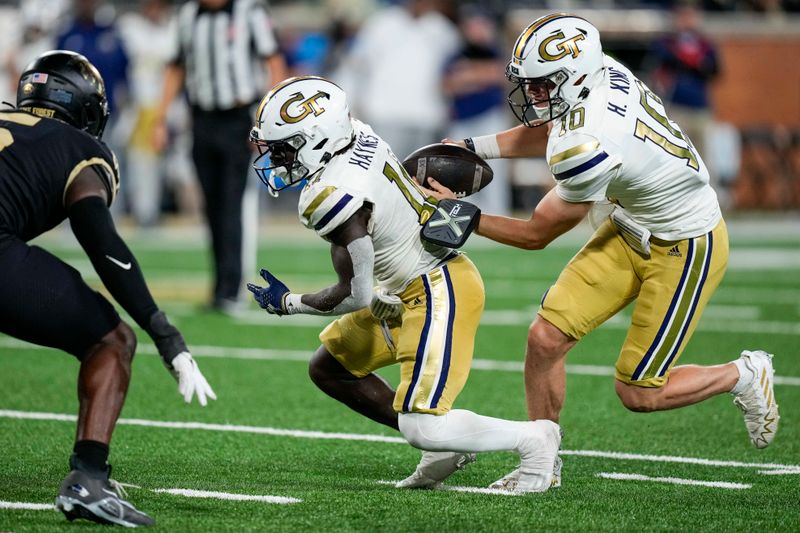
(285, 83)
(523, 39)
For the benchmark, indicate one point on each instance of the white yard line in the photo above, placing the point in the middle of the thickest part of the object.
(27, 506)
(457, 488)
(788, 471)
(618, 456)
(674, 480)
(275, 432)
(621, 456)
(231, 352)
(732, 322)
(188, 493)
(191, 493)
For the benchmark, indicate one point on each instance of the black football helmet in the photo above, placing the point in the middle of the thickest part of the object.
(65, 85)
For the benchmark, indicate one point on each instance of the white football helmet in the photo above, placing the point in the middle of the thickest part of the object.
(556, 61)
(300, 125)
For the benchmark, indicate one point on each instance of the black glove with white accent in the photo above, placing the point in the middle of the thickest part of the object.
(177, 359)
(451, 223)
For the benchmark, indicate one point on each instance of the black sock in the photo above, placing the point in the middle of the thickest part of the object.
(90, 455)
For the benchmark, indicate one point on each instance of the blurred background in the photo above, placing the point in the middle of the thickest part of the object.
(419, 70)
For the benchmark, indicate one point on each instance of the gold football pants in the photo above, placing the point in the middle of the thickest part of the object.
(433, 341)
(671, 288)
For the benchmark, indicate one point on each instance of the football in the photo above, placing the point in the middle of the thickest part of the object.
(460, 170)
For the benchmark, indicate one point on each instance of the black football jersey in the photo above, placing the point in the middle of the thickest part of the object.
(39, 158)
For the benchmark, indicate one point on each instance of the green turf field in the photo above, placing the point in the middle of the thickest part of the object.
(270, 432)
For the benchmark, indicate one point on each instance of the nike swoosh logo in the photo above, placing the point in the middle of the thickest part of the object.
(123, 266)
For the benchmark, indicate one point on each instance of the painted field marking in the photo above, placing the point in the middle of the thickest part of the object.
(303, 434)
(516, 317)
(191, 493)
(232, 352)
(788, 471)
(188, 493)
(275, 432)
(457, 488)
(622, 456)
(27, 506)
(674, 480)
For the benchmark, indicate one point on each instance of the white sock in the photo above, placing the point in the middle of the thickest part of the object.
(746, 376)
(461, 431)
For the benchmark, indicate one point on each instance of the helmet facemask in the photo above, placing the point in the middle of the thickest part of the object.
(537, 101)
(278, 165)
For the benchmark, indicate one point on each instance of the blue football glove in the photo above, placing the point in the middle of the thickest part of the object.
(271, 298)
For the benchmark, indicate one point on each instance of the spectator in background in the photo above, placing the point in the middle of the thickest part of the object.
(94, 34)
(394, 73)
(39, 21)
(224, 50)
(686, 64)
(475, 81)
(148, 35)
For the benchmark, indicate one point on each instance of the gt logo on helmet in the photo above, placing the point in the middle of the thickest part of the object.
(307, 106)
(568, 46)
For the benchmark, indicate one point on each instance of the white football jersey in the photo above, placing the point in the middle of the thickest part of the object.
(619, 145)
(369, 173)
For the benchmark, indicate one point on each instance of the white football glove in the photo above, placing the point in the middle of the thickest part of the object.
(385, 306)
(190, 380)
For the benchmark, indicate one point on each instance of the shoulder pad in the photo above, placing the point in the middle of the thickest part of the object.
(324, 207)
(576, 155)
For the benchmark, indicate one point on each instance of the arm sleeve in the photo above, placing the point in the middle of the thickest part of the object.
(362, 256)
(115, 264)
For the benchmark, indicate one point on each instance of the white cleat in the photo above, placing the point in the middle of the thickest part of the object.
(757, 401)
(507, 482)
(542, 466)
(435, 467)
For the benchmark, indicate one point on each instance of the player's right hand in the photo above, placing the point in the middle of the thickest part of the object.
(385, 306)
(437, 190)
(272, 297)
(190, 380)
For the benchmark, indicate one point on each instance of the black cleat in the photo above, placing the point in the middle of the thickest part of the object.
(97, 498)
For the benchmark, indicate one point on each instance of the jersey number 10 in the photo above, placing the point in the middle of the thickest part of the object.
(423, 205)
(645, 132)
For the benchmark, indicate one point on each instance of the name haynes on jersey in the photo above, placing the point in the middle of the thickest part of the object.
(364, 150)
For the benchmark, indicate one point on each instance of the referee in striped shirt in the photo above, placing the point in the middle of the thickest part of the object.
(226, 58)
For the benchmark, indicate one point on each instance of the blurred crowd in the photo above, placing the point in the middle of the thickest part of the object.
(416, 70)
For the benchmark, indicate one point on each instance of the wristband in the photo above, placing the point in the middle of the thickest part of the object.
(168, 340)
(292, 304)
(486, 146)
(469, 143)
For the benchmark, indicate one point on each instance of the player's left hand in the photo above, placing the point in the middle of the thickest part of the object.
(190, 380)
(270, 298)
(437, 190)
(448, 140)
